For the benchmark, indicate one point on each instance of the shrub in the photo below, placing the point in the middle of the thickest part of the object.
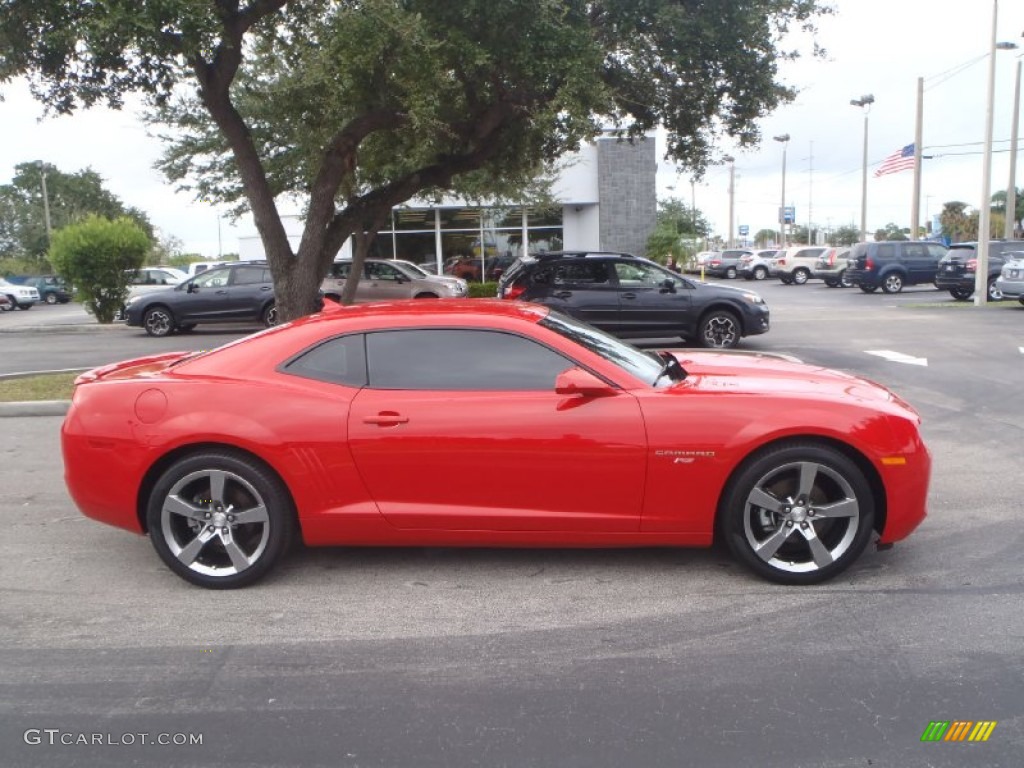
(483, 290)
(94, 255)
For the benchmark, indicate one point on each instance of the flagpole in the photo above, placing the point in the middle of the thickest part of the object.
(985, 212)
(915, 210)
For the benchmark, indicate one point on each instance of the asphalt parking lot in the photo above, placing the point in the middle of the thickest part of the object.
(446, 657)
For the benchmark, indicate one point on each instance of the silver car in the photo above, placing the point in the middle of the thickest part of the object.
(1011, 279)
(387, 279)
(20, 296)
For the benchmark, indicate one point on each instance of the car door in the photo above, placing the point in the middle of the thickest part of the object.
(581, 287)
(651, 299)
(919, 263)
(383, 282)
(204, 297)
(249, 290)
(463, 430)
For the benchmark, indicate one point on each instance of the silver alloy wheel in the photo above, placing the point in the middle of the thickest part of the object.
(844, 281)
(892, 284)
(215, 522)
(50, 298)
(760, 273)
(994, 294)
(720, 331)
(730, 273)
(800, 276)
(270, 316)
(801, 517)
(158, 322)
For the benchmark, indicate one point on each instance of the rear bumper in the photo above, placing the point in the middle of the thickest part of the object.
(1013, 289)
(945, 282)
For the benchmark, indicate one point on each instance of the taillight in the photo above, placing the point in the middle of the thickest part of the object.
(831, 259)
(780, 262)
(971, 265)
(514, 292)
(869, 263)
(715, 262)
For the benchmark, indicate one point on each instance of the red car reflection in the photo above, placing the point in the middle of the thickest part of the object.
(562, 436)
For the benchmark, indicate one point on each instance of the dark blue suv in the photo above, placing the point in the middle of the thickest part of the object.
(227, 294)
(633, 297)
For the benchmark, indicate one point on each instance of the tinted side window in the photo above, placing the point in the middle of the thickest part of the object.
(340, 271)
(572, 273)
(915, 251)
(448, 359)
(886, 251)
(341, 361)
(248, 276)
(936, 251)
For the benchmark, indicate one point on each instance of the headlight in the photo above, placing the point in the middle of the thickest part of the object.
(753, 298)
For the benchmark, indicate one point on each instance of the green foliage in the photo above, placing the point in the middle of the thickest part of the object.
(71, 196)
(765, 236)
(845, 235)
(94, 255)
(354, 107)
(999, 203)
(16, 266)
(678, 227)
(483, 290)
(892, 232)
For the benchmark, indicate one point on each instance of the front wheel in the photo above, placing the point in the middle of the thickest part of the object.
(219, 520)
(797, 514)
(892, 283)
(158, 321)
(719, 329)
(801, 276)
(844, 281)
(50, 298)
(760, 273)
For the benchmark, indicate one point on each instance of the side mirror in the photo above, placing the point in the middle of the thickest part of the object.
(193, 288)
(576, 381)
(668, 285)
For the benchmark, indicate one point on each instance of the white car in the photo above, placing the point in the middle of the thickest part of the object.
(385, 279)
(20, 296)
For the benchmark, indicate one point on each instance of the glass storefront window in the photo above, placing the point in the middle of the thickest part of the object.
(414, 219)
(461, 218)
(544, 217)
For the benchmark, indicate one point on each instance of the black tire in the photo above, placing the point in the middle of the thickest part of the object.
(269, 315)
(832, 283)
(186, 328)
(961, 294)
(801, 275)
(760, 273)
(426, 295)
(764, 500)
(199, 538)
(158, 321)
(730, 273)
(844, 281)
(786, 279)
(719, 329)
(994, 294)
(50, 298)
(868, 288)
(892, 283)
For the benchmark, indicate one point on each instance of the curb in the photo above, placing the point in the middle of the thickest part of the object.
(35, 408)
(66, 328)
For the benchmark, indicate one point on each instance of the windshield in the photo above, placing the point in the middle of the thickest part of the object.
(646, 366)
(411, 270)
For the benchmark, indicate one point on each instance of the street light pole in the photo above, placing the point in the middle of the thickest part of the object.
(46, 202)
(784, 140)
(732, 187)
(1010, 228)
(864, 102)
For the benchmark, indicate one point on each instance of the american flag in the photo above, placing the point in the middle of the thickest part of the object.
(900, 160)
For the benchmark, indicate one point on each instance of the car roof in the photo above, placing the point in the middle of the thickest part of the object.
(580, 254)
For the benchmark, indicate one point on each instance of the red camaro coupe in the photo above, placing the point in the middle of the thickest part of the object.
(345, 427)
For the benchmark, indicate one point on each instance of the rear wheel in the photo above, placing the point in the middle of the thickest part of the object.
(994, 294)
(844, 281)
(730, 273)
(719, 329)
(961, 294)
(158, 321)
(893, 283)
(797, 514)
(801, 276)
(760, 273)
(50, 298)
(269, 317)
(219, 520)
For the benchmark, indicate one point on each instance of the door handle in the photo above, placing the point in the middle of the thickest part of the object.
(386, 419)
(562, 294)
(221, 292)
(627, 296)
(266, 288)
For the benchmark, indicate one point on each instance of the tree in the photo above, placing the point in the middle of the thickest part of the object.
(845, 235)
(765, 236)
(95, 255)
(999, 204)
(355, 107)
(678, 226)
(798, 234)
(892, 232)
(956, 224)
(70, 196)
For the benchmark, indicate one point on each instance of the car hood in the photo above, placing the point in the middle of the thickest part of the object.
(756, 374)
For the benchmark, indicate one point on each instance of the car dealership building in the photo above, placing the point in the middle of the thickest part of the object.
(604, 199)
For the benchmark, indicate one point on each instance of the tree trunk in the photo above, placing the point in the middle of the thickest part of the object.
(363, 241)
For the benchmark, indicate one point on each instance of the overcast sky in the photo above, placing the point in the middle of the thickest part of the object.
(872, 47)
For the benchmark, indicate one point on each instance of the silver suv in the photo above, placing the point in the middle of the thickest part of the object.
(796, 264)
(1011, 280)
(387, 279)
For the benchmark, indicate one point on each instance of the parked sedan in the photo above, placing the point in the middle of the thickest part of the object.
(231, 293)
(20, 296)
(1011, 280)
(386, 279)
(564, 437)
